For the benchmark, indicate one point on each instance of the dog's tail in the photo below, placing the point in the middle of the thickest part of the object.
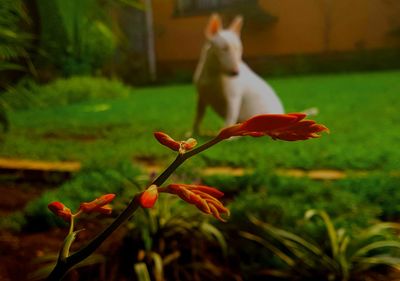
(312, 111)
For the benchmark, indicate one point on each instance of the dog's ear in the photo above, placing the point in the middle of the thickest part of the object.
(236, 25)
(214, 25)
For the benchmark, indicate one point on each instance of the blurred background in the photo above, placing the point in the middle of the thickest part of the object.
(84, 84)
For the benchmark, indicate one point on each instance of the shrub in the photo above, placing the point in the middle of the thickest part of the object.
(98, 46)
(74, 35)
(63, 91)
(14, 41)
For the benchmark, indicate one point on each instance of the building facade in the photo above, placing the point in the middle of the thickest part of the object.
(276, 29)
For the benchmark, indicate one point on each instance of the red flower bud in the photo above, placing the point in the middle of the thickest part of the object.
(181, 146)
(149, 197)
(166, 140)
(106, 210)
(97, 204)
(60, 210)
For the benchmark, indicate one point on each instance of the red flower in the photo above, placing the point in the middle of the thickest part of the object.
(181, 146)
(98, 205)
(205, 198)
(149, 197)
(288, 127)
(60, 210)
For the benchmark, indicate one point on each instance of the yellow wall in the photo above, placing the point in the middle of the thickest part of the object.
(301, 28)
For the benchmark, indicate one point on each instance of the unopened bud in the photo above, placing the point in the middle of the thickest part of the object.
(97, 204)
(167, 141)
(60, 210)
(149, 197)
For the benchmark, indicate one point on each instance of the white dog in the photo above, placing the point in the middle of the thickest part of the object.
(225, 82)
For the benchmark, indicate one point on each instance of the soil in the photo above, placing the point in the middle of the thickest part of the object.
(23, 253)
(19, 250)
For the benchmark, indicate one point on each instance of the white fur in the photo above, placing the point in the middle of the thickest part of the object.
(224, 82)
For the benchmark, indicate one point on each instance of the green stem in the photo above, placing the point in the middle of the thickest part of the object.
(71, 224)
(63, 265)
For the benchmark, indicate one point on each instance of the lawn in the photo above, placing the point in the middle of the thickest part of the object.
(108, 134)
(360, 110)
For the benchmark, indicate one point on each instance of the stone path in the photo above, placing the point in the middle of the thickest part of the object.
(320, 174)
(35, 165)
(152, 167)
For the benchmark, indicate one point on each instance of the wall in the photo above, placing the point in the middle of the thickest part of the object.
(302, 27)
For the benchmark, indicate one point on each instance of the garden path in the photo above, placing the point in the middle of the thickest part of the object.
(69, 167)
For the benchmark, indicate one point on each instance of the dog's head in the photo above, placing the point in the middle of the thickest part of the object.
(225, 44)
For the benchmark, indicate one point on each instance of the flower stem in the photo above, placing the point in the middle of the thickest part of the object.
(71, 224)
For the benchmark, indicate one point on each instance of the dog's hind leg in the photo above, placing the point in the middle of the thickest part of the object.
(200, 111)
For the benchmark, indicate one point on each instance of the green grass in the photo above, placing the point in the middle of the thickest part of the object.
(361, 111)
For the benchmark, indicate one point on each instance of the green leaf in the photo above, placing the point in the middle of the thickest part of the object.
(333, 237)
(283, 236)
(10, 66)
(45, 259)
(280, 254)
(378, 229)
(91, 260)
(41, 273)
(275, 273)
(376, 245)
(142, 272)
(366, 263)
(158, 270)
(171, 257)
(208, 229)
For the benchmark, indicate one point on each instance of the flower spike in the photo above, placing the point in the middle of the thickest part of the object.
(60, 210)
(288, 127)
(205, 198)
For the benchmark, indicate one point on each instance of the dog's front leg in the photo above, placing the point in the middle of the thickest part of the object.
(233, 110)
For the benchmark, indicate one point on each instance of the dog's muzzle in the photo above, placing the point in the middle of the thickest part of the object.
(232, 73)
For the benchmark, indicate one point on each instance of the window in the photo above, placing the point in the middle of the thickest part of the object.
(250, 9)
(191, 7)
